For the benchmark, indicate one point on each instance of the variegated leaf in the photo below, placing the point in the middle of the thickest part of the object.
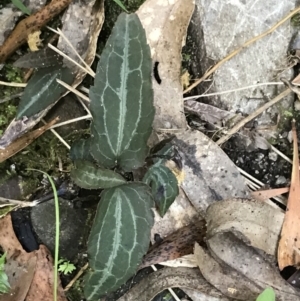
(119, 237)
(122, 97)
(164, 186)
(43, 90)
(80, 150)
(87, 175)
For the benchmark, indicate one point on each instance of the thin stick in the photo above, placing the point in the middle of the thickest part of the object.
(17, 202)
(20, 85)
(233, 90)
(91, 72)
(87, 68)
(71, 121)
(70, 88)
(277, 151)
(258, 183)
(240, 124)
(68, 58)
(76, 277)
(235, 52)
(58, 136)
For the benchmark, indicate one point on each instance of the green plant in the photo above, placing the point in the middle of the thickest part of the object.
(267, 295)
(4, 284)
(19, 4)
(120, 3)
(121, 103)
(65, 266)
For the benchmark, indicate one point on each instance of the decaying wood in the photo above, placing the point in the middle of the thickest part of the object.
(24, 141)
(289, 243)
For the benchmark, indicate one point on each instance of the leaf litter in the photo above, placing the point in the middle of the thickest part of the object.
(30, 274)
(201, 170)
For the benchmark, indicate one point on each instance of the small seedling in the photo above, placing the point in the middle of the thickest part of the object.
(65, 266)
(4, 284)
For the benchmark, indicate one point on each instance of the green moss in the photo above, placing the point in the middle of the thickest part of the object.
(13, 74)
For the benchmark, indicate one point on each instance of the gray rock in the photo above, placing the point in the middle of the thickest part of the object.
(72, 226)
(218, 28)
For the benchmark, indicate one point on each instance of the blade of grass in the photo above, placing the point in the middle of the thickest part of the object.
(121, 5)
(21, 6)
(56, 230)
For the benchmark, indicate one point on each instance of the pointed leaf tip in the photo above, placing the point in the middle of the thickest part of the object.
(122, 97)
(119, 237)
(89, 176)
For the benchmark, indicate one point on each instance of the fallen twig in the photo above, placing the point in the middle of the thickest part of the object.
(29, 25)
(240, 124)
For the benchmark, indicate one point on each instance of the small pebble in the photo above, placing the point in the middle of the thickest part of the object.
(273, 156)
(280, 180)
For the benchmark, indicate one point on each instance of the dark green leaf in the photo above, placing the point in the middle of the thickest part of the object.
(43, 90)
(164, 186)
(89, 176)
(39, 59)
(119, 237)
(80, 150)
(122, 97)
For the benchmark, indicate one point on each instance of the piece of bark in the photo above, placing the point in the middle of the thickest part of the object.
(175, 245)
(29, 25)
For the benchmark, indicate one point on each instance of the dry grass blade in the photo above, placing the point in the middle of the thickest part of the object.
(289, 243)
(253, 115)
(263, 195)
(24, 141)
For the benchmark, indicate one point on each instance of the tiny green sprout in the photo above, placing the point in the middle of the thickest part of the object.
(267, 295)
(65, 266)
(4, 284)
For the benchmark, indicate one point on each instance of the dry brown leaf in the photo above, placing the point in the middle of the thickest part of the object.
(30, 274)
(165, 23)
(259, 222)
(20, 265)
(88, 20)
(177, 244)
(24, 141)
(263, 195)
(289, 243)
(42, 284)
